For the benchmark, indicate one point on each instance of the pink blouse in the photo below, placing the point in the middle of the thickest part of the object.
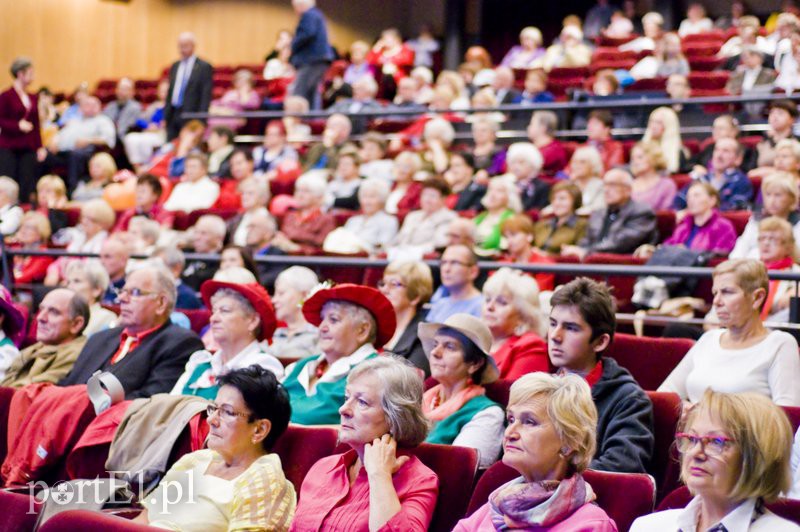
(329, 502)
(588, 517)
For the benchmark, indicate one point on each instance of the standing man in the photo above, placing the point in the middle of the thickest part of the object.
(190, 86)
(311, 51)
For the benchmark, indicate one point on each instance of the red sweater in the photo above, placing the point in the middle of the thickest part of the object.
(11, 112)
(521, 355)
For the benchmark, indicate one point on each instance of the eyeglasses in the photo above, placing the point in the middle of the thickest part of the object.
(133, 292)
(225, 412)
(390, 284)
(710, 445)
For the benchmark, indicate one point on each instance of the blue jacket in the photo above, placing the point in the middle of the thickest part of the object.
(734, 195)
(310, 44)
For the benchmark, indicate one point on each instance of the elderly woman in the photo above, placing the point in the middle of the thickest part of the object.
(405, 193)
(550, 440)
(528, 53)
(570, 52)
(237, 482)
(408, 285)
(735, 451)
(487, 156)
(89, 279)
(305, 227)
(742, 355)
(10, 212)
(564, 227)
(511, 311)
(437, 138)
(255, 198)
(241, 97)
(664, 128)
(501, 201)
(33, 233)
(242, 318)
(780, 195)
(298, 338)
(373, 227)
(778, 250)
(541, 132)
(458, 353)
(354, 321)
(524, 162)
(787, 159)
(101, 169)
(425, 230)
(376, 485)
(586, 171)
(650, 185)
(518, 232)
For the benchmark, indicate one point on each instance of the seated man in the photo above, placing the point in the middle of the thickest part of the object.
(457, 294)
(148, 192)
(261, 229)
(582, 324)
(196, 190)
(735, 189)
(124, 111)
(335, 136)
(174, 259)
(365, 89)
(63, 315)
(622, 226)
(208, 236)
(114, 255)
(598, 129)
(145, 352)
(220, 149)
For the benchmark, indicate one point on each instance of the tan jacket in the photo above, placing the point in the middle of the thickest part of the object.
(43, 363)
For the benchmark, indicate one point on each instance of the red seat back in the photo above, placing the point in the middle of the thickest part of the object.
(739, 220)
(650, 360)
(622, 284)
(665, 221)
(664, 466)
(17, 514)
(5, 404)
(793, 413)
(198, 318)
(87, 521)
(301, 447)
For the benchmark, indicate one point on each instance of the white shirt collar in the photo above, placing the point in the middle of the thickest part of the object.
(336, 371)
(739, 520)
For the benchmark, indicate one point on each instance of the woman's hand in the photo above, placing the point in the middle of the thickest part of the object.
(380, 458)
(25, 126)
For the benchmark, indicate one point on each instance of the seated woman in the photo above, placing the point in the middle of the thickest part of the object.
(778, 251)
(405, 193)
(33, 233)
(354, 321)
(586, 171)
(51, 199)
(535, 89)
(241, 319)
(437, 140)
(518, 231)
(550, 440)
(89, 279)
(501, 201)
(780, 196)
(425, 230)
(304, 229)
(569, 52)
(735, 452)
(373, 227)
(466, 192)
(667, 59)
(787, 159)
(273, 151)
(664, 128)
(458, 352)
(240, 97)
(742, 355)
(298, 338)
(650, 185)
(101, 169)
(703, 229)
(528, 53)
(486, 154)
(377, 484)
(541, 132)
(255, 196)
(408, 285)
(511, 311)
(237, 483)
(564, 227)
(168, 160)
(523, 163)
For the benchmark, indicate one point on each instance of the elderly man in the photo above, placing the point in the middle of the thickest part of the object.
(334, 139)
(503, 86)
(175, 261)
(124, 111)
(208, 236)
(457, 294)
(190, 84)
(196, 190)
(735, 189)
(62, 317)
(114, 255)
(311, 51)
(145, 352)
(365, 89)
(261, 230)
(622, 226)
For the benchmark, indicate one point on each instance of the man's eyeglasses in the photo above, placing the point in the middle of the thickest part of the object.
(133, 292)
(710, 445)
(390, 284)
(225, 412)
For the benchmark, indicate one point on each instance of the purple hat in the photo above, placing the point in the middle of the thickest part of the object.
(14, 322)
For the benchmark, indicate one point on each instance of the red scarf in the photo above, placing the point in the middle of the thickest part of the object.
(783, 264)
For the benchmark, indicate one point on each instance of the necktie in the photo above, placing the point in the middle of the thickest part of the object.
(125, 348)
(182, 83)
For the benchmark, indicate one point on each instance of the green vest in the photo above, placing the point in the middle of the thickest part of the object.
(209, 393)
(446, 430)
(322, 408)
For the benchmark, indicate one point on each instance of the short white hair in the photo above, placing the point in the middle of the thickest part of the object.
(379, 186)
(214, 223)
(95, 273)
(440, 128)
(527, 151)
(524, 293)
(9, 188)
(150, 228)
(262, 188)
(315, 181)
(653, 18)
(514, 201)
(423, 73)
(531, 32)
(592, 156)
(572, 31)
(370, 85)
(298, 278)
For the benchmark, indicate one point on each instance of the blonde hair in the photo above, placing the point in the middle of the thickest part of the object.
(106, 162)
(593, 157)
(783, 181)
(774, 224)
(524, 293)
(441, 129)
(514, 202)
(416, 276)
(42, 223)
(570, 408)
(670, 142)
(652, 150)
(762, 431)
(533, 33)
(750, 274)
(54, 182)
(99, 211)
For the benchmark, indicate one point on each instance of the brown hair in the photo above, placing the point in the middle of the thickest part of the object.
(572, 189)
(594, 302)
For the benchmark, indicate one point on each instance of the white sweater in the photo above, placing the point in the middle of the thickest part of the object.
(771, 367)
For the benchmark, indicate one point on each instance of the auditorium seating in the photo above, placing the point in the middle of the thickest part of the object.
(650, 360)
(664, 465)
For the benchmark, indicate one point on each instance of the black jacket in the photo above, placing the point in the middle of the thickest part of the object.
(624, 422)
(197, 94)
(153, 367)
(409, 345)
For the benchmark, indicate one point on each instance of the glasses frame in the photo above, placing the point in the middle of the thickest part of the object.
(703, 441)
(133, 292)
(226, 413)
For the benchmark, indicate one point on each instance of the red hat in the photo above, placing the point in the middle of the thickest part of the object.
(14, 322)
(364, 296)
(255, 294)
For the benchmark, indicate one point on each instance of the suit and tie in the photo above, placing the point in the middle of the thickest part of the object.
(190, 84)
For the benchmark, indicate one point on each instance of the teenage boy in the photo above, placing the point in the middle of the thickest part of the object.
(582, 324)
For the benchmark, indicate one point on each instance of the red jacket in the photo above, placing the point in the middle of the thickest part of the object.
(521, 355)
(11, 112)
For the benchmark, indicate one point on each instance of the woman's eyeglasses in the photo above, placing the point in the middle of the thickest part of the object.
(225, 412)
(710, 445)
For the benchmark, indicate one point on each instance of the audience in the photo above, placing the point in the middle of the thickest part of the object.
(586, 171)
(373, 227)
(524, 162)
(335, 136)
(124, 110)
(726, 176)
(305, 228)
(696, 21)
(101, 170)
(12, 325)
(255, 198)
(425, 230)
(541, 131)
(196, 190)
(663, 128)
(528, 53)
(34, 234)
(175, 261)
(564, 228)
(261, 232)
(273, 151)
(466, 192)
(89, 279)
(297, 338)
(598, 131)
(650, 185)
(457, 293)
(10, 213)
(501, 201)
(208, 236)
(239, 98)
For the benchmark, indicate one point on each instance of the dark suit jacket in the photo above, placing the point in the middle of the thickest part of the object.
(635, 224)
(197, 272)
(765, 77)
(409, 345)
(197, 94)
(153, 367)
(310, 43)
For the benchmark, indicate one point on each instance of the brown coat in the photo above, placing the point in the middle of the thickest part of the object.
(43, 363)
(550, 239)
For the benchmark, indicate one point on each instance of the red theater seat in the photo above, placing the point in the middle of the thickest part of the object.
(664, 466)
(301, 447)
(739, 219)
(665, 221)
(456, 468)
(650, 360)
(622, 284)
(17, 514)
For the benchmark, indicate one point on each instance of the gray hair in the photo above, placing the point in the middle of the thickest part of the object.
(299, 278)
(165, 282)
(358, 314)
(548, 120)
(93, 270)
(512, 192)
(369, 83)
(440, 128)
(151, 229)
(262, 188)
(10, 188)
(593, 157)
(524, 293)
(215, 223)
(379, 186)
(401, 397)
(314, 182)
(527, 151)
(20, 64)
(171, 256)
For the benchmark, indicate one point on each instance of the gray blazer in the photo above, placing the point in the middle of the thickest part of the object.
(635, 224)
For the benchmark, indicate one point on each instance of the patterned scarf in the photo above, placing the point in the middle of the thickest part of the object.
(436, 411)
(520, 504)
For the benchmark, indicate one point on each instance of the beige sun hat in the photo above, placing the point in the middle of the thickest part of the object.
(471, 327)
